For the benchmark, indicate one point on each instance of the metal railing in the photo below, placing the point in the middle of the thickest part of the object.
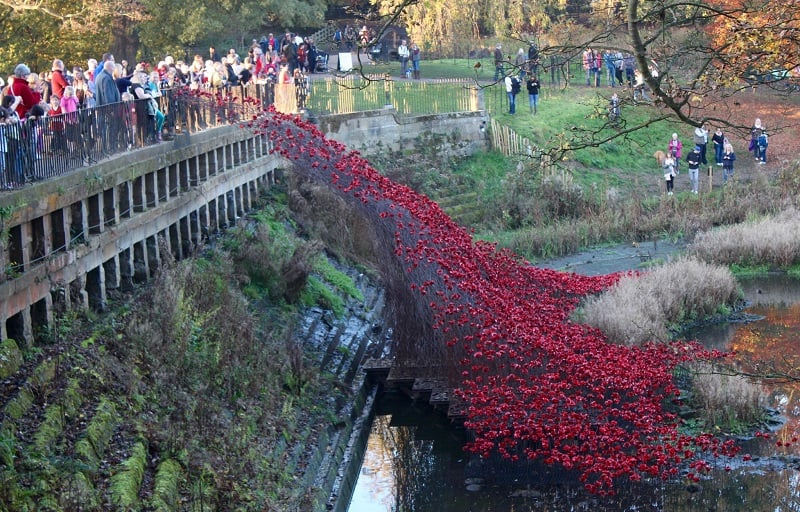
(356, 94)
(47, 147)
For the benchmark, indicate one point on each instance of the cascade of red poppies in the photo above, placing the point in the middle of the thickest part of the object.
(534, 383)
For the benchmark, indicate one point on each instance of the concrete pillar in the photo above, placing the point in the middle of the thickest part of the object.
(59, 230)
(126, 271)
(150, 190)
(41, 315)
(174, 238)
(204, 222)
(96, 288)
(24, 245)
(173, 186)
(153, 255)
(77, 292)
(185, 233)
(141, 266)
(47, 235)
(138, 194)
(162, 185)
(184, 172)
(110, 210)
(95, 214)
(124, 201)
(111, 271)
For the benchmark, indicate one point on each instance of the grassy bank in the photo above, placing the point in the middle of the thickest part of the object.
(197, 390)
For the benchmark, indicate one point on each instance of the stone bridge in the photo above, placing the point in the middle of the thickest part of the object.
(69, 240)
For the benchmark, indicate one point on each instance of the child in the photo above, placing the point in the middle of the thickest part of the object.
(763, 144)
(728, 157)
(669, 172)
(55, 115)
(674, 148)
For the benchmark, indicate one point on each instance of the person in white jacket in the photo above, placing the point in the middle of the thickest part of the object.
(403, 54)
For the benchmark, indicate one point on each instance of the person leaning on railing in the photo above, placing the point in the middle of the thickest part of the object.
(145, 108)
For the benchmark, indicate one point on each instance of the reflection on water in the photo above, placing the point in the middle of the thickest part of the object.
(414, 461)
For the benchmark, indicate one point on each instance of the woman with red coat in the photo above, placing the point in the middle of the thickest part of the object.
(20, 88)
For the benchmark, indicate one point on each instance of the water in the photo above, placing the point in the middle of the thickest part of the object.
(415, 462)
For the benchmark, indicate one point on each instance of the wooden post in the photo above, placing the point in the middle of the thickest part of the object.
(710, 178)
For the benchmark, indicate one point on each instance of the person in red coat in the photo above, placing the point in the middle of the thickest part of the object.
(58, 81)
(20, 88)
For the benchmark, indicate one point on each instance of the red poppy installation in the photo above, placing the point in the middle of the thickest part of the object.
(533, 383)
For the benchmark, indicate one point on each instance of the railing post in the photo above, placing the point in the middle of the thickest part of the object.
(387, 90)
(476, 99)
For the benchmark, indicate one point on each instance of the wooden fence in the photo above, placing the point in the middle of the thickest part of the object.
(511, 144)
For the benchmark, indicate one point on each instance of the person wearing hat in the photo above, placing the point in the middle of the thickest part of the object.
(498, 62)
(21, 88)
(694, 159)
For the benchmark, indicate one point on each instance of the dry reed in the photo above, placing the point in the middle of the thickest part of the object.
(773, 240)
(723, 400)
(641, 308)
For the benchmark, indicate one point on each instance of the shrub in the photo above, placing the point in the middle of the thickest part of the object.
(727, 402)
(643, 307)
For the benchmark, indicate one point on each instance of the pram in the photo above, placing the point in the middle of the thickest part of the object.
(321, 66)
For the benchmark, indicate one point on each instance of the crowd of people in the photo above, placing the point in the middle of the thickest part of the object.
(285, 60)
(63, 93)
(724, 154)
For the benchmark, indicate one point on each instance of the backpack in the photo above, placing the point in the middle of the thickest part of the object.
(515, 85)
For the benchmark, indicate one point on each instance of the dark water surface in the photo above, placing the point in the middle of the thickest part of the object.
(415, 462)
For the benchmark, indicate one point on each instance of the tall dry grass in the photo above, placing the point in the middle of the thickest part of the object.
(772, 240)
(641, 308)
(725, 401)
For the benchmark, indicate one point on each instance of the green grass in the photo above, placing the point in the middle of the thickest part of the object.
(576, 114)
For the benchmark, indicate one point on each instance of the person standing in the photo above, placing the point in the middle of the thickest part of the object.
(533, 59)
(598, 67)
(59, 141)
(512, 89)
(589, 65)
(619, 67)
(755, 132)
(20, 87)
(57, 79)
(403, 54)
(674, 148)
(630, 68)
(611, 68)
(349, 37)
(519, 63)
(694, 159)
(701, 139)
(415, 58)
(213, 56)
(110, 110)
(669, 173)
(718, 139)
(105, 87)
(533, 92)
(728, 158)
(763, 143)
(498, 62)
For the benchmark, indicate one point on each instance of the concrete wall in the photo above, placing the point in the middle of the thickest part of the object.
(373, 131)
